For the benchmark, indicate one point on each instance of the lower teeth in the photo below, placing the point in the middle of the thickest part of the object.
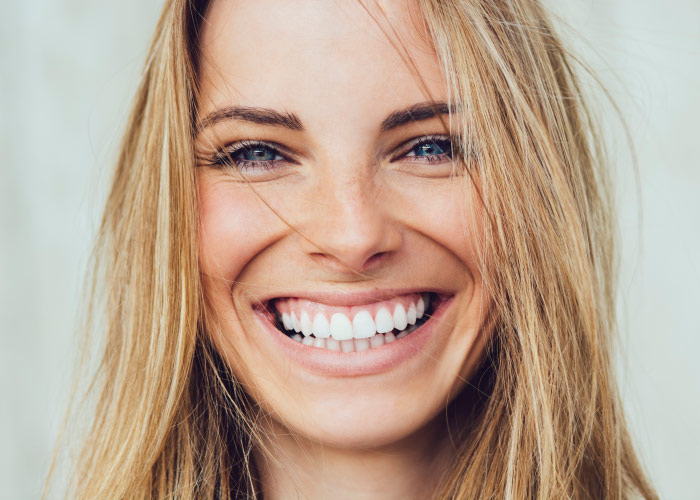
(353, 345)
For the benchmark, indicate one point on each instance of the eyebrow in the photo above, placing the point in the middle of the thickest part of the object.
(266, 116)
(415, 113)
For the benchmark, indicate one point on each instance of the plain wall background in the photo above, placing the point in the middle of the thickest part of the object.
(69, 68)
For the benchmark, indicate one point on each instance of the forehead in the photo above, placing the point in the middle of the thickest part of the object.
(317, 58)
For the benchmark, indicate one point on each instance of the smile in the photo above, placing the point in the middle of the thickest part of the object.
(351, 328)
(353, 334)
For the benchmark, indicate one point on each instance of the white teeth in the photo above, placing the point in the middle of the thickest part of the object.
(361, 345)
(352, 345)
(341, 328)
(295, 323)
(384, 321)
(411, 314)
(320, 328)
(287, 321)
(347, 345)
(363, 325)
(360, 334)
(400, 318)
(305, 324)
(377, 341)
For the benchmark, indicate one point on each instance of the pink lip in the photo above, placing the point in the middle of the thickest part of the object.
(353, 364)
(351, 298)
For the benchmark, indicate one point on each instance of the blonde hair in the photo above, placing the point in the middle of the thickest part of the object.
(169, 419)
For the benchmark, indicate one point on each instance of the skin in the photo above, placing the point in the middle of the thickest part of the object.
(342, 214)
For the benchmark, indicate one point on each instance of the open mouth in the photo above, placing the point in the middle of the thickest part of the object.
(352, 328)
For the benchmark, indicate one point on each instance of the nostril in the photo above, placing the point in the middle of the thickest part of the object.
(376, 259)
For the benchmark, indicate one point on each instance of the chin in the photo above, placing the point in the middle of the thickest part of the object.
(374, 418)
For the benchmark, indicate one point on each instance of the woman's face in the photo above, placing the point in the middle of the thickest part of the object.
(327, 204)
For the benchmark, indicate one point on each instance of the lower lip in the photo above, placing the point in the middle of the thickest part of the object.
(354, 364)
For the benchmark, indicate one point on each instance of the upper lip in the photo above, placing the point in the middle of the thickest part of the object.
(355, 298)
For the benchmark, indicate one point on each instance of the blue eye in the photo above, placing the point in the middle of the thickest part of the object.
(255, 153)
(249, 156)
(429, 149)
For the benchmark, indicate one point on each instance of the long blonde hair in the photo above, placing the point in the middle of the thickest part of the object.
(170, 421)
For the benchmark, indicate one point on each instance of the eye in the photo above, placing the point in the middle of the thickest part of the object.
(427, 149)
(250, 156)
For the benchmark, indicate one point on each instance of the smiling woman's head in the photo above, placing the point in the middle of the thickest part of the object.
(358, 234)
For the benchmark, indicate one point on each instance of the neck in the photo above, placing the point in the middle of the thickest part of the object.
(298, 468)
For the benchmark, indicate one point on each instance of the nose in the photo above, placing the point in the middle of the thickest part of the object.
(350, 227)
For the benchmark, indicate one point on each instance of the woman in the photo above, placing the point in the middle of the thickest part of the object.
(357, 250)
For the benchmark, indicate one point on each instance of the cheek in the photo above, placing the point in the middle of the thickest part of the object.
(453, 217)
(450, 215)
(234, 227)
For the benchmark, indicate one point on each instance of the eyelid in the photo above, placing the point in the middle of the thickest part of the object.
(408, 145)
(235, 147)
(224, 156)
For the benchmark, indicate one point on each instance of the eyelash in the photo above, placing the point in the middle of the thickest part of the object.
(226, 157)
(444, 142)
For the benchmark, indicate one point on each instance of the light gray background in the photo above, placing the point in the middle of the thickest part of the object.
(68, 69)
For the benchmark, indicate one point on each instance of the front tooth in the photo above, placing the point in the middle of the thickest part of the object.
(332, 344)
(295, 323)
(411, 314)
(320, 328)
(420, 308)
(400, 318)
(363, 326)
(341, 328)
(308, 341)
(384, 321)
(305, 324)
(287, 321)
(320, 343)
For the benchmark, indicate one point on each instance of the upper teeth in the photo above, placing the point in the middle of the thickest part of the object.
(360, 322)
